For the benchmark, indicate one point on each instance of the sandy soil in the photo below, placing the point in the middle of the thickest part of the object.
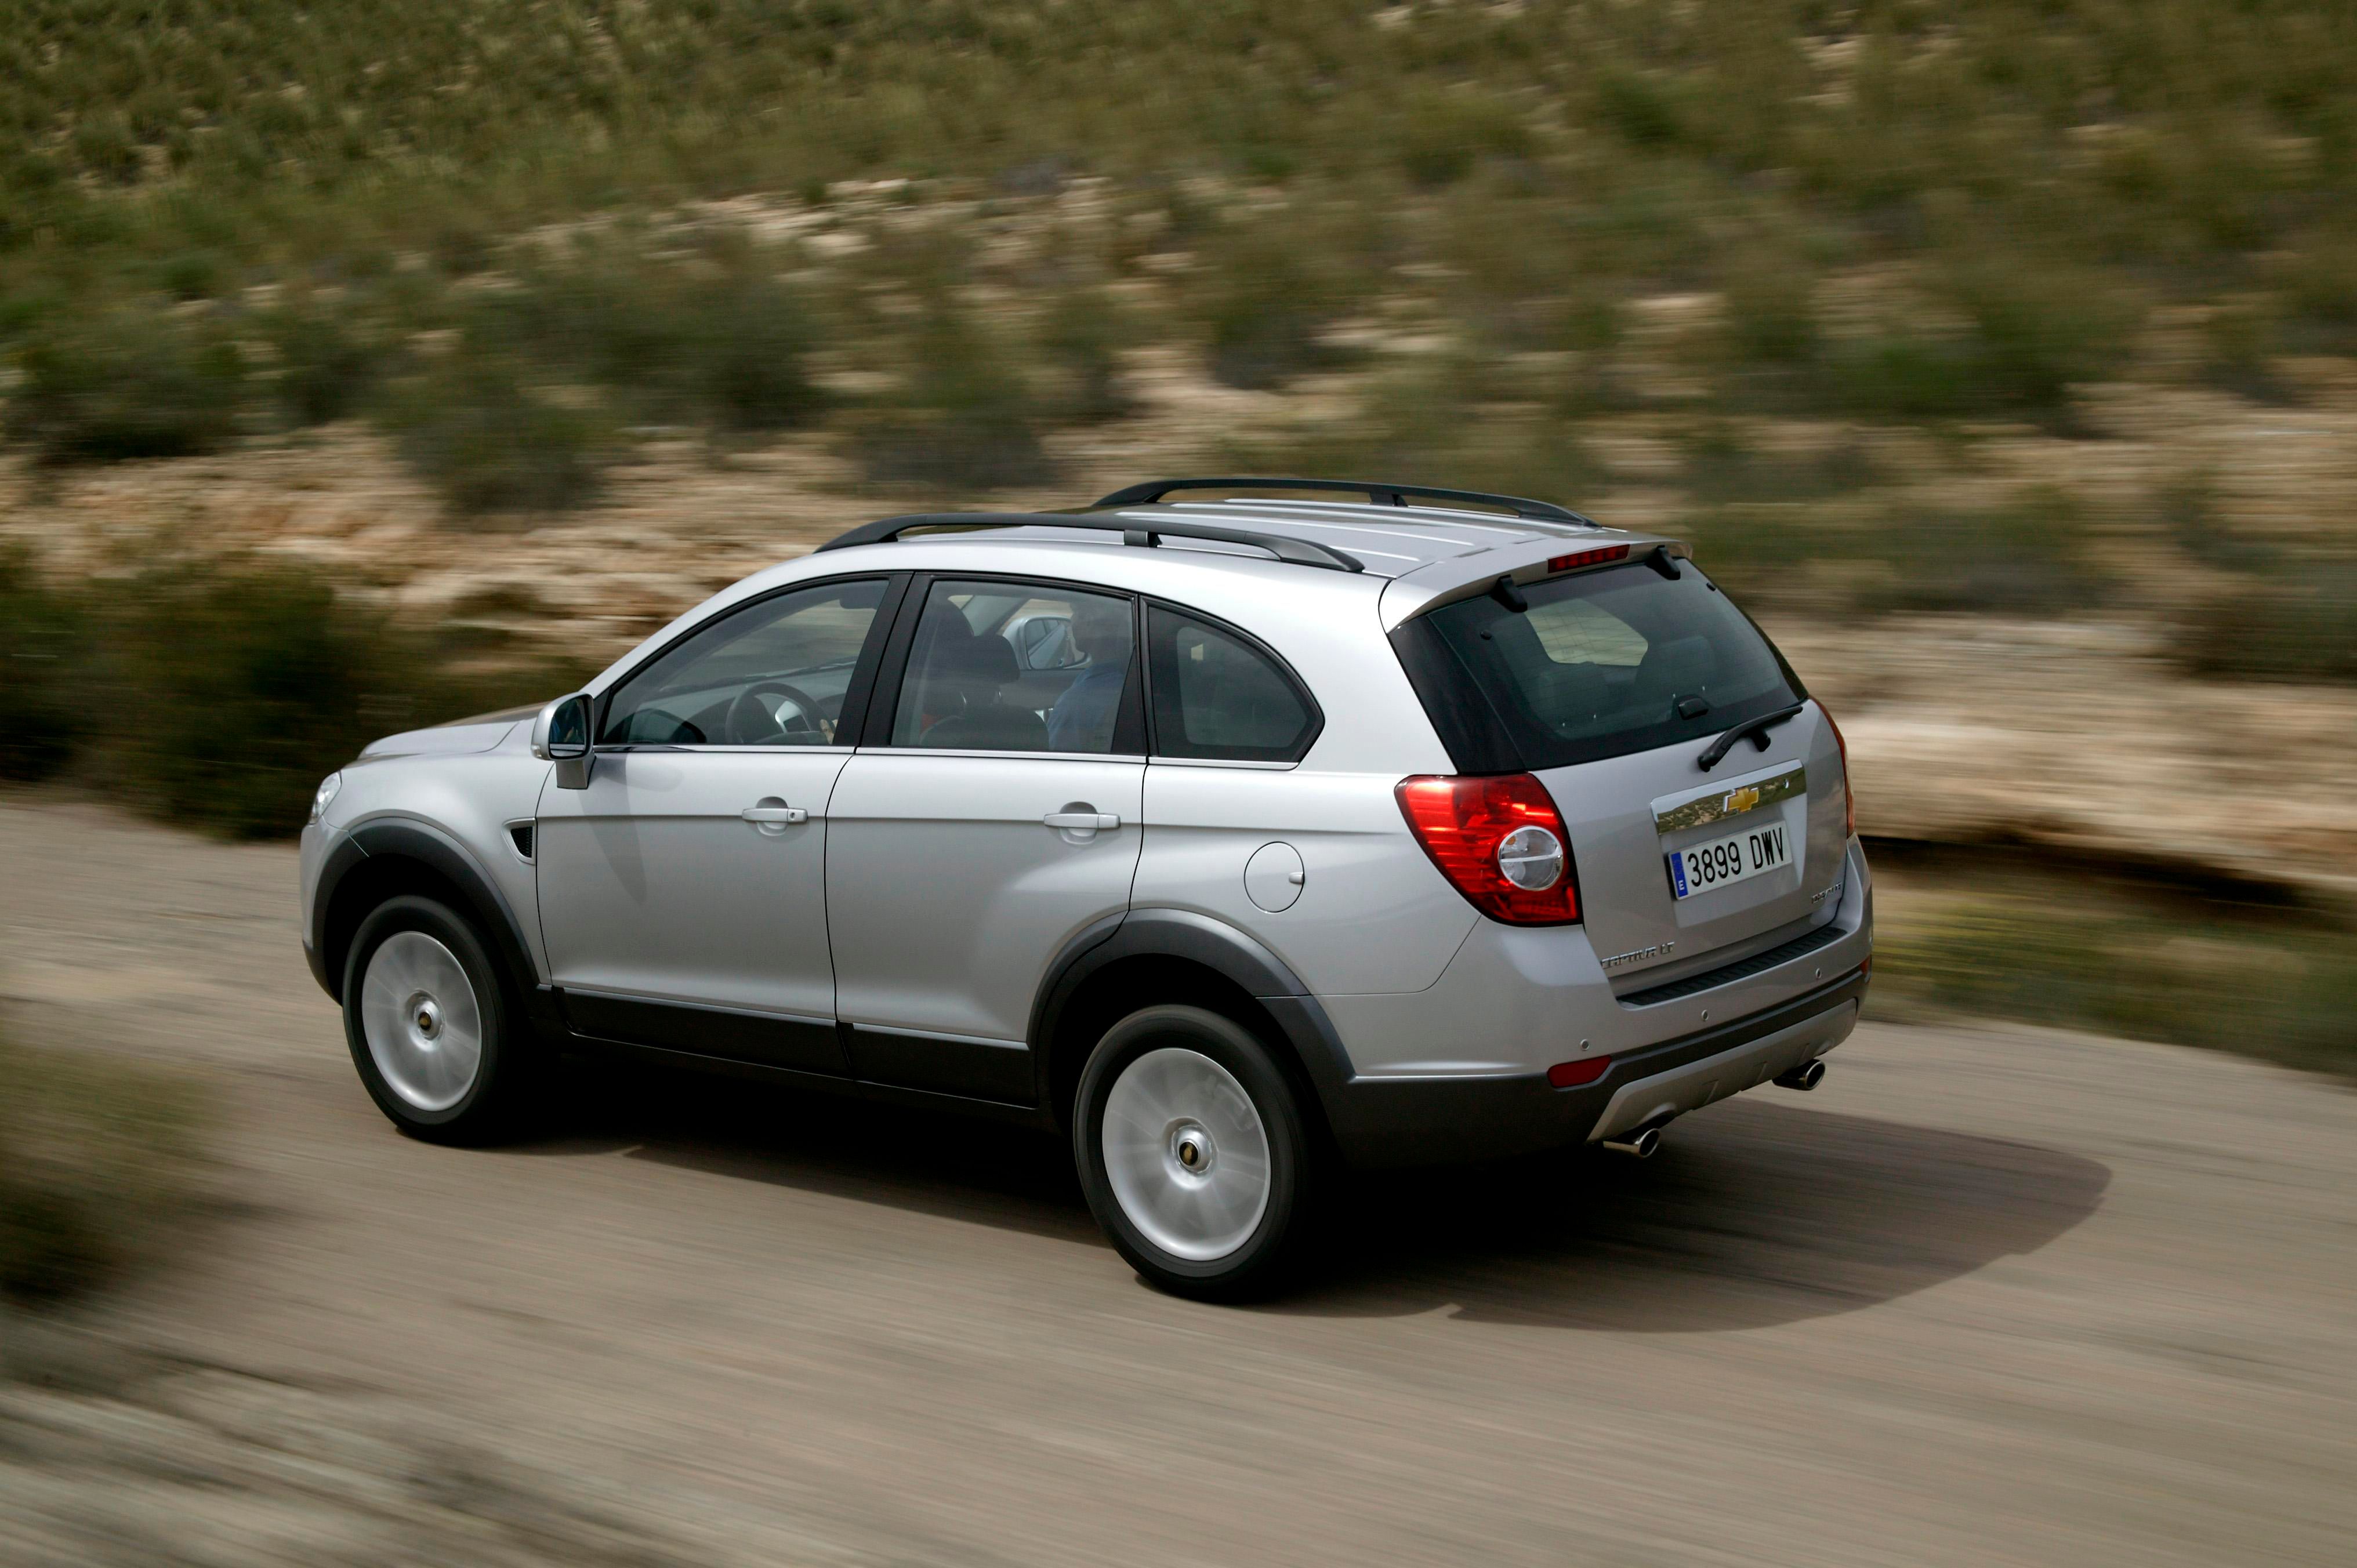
(1990, 1295)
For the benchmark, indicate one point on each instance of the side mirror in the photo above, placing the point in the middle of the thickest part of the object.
(561, 734)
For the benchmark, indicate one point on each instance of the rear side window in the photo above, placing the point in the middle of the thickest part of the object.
(1217, 695)
(1602, 664)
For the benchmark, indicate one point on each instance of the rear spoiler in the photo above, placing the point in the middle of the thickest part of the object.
(1508, 568)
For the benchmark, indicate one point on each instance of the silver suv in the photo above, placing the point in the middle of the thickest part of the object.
(1245, 839)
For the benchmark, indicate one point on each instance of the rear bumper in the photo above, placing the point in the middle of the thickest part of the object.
(1403, 1120)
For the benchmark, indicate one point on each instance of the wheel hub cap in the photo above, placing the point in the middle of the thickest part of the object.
(421, 1021)
(1187, 1153)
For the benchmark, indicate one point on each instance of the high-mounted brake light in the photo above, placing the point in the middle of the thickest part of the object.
(1500, 841)
(1587, 557)
(1849, 796)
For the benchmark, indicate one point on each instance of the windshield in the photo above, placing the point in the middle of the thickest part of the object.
(1601, 664)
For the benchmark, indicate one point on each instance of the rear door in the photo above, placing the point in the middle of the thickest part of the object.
(1610, 685)
(999, 819)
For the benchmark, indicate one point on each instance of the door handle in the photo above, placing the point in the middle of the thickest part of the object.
(761, 814)
(1081, 822)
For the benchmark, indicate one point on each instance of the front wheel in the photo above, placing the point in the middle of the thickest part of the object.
(429, 1024)
(1193, 1152)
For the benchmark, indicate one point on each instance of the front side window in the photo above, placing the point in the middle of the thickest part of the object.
(1216, 697)
(773, 673)
(1018, 667)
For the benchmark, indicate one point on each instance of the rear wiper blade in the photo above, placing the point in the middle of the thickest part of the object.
(1757, 729)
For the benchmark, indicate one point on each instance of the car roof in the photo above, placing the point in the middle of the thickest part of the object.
(1388, 540)
(1417, 555)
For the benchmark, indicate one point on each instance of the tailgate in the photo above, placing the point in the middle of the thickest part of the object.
(1627, 815)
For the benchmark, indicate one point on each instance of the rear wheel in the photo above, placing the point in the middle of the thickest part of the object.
(1193, 1152)
(429, 1023)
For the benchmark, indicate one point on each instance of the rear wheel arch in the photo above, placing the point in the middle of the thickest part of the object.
(1150, 957)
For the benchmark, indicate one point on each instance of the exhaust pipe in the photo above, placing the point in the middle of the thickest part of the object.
(1805, 1077)
(1638, 1145)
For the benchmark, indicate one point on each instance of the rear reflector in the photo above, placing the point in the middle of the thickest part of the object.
(1587, 557)
(1571, 1075)
(1500, 841)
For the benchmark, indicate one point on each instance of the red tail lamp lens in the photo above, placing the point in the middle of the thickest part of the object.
(1500, 841)
(1849, 796)
(1571, 1075)
(1587, 557)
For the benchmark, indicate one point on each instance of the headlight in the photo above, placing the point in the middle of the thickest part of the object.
(325, 793)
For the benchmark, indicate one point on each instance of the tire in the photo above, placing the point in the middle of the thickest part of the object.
(1194, 1154)
(421, 993)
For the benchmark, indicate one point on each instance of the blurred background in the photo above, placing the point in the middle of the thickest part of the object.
(367, 365)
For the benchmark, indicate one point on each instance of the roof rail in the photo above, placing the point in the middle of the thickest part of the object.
(1381, 494)
(1300, 552)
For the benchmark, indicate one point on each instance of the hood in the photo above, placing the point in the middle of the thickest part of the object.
(466, 736)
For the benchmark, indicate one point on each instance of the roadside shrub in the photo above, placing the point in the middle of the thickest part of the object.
(965, 419)
(328, 368)
(1443, 132)
(1082, 338)
(42, 644)
(1265, 316)
(725, 346)
(2295, 622)
(236, 685)
(2022, 559)
(2152, 975)
(490, 443)
(235, 688)
(2023, 334)
(96, 1159)
(119, 388)
(1638, 108)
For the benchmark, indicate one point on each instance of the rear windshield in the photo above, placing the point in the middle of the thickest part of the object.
(1601, 664)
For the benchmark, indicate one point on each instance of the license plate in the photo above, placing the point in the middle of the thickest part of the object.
(1700, 868)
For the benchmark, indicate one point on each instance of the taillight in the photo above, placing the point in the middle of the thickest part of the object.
(1500, 841)
(1849, 796)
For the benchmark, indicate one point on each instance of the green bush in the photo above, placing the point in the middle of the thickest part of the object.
(1266, 313)
(1443, 133)
(327, 367)
(966, 418)
(2023, 559)
(722, 345)
(238, 687)
(1083, 337)
(43, 646)
(490, 443)
(2296, 621)
(2214, 980)
(97, 1157)
(123, 387)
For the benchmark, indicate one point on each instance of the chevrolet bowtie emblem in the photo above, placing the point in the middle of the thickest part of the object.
(1741, 799)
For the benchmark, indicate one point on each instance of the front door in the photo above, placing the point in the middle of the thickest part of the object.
(682, 892)
(999, 820)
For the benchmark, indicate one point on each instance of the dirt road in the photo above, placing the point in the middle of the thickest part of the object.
(1990, 1295)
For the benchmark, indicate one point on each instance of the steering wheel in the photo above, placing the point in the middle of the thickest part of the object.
(795, 724)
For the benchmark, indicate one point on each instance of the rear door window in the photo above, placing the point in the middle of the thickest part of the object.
(1020, 667)
(1601, 663)
(1219, 696)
